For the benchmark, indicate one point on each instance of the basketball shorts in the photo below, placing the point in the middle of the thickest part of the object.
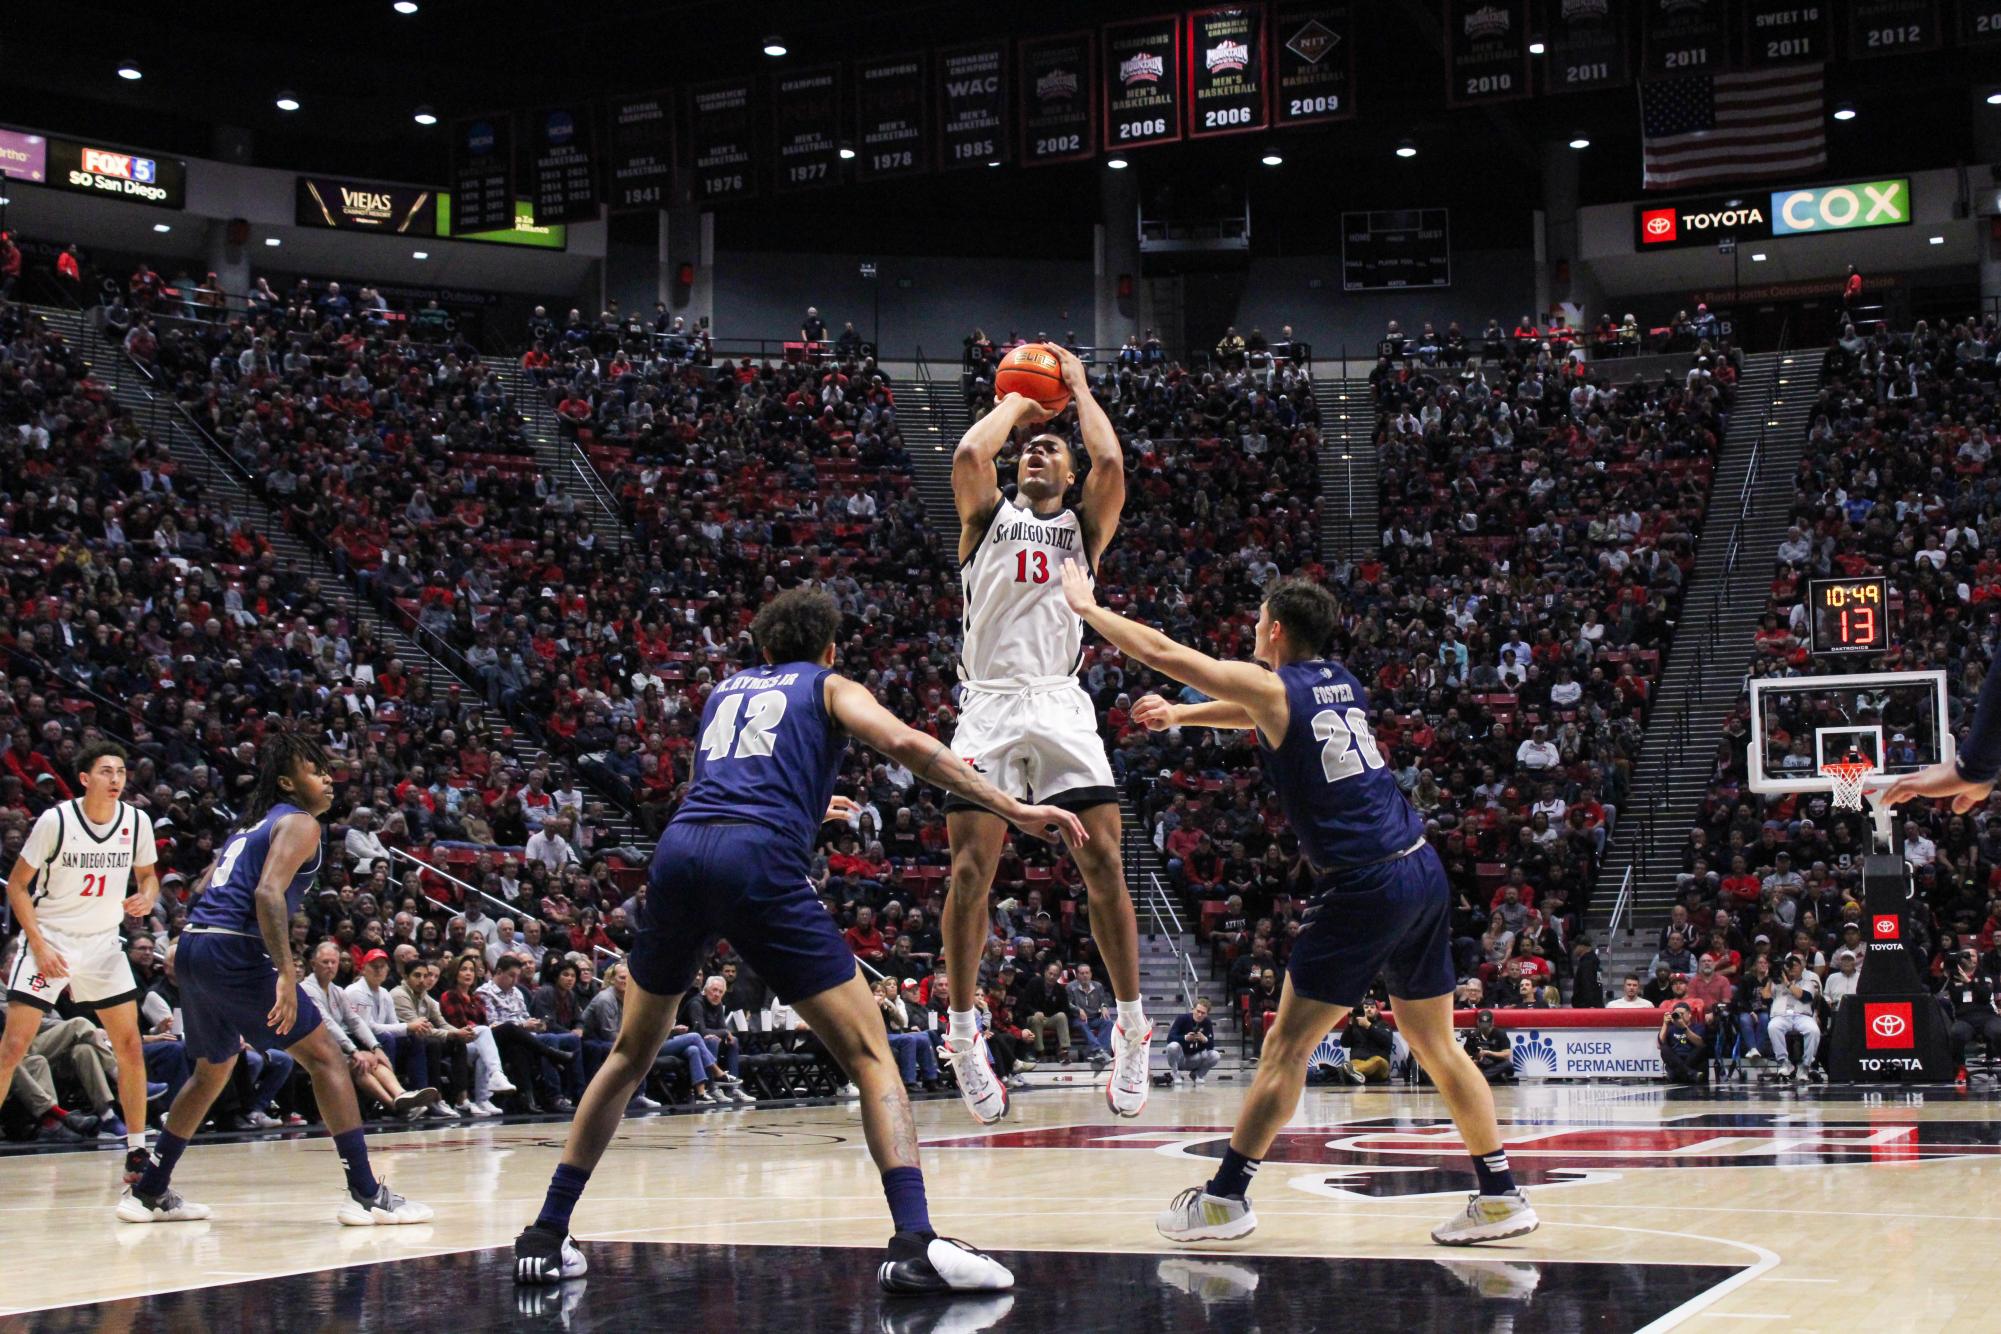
(1039, 744)
(740, 882)
(1393, 919)
(98, 975)
(228, 984)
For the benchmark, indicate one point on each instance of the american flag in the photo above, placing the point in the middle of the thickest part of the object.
(1732, 126)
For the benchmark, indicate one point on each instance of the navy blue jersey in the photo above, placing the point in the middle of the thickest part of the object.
(768, 753)
(230, 901)
(1336, 787)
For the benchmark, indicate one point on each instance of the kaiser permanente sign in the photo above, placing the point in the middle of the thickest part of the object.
(1759, 215)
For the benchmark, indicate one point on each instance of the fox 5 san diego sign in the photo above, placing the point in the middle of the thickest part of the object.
(123, 173)
(1759, 215)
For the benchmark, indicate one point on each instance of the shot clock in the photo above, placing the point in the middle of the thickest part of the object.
(1849, 615)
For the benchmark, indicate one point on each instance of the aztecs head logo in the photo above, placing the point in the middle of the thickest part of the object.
(1533, 1055)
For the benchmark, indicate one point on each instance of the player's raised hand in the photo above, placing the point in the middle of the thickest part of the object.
(1051, 824)
(1940, 780)
(49, 961)
(1027, 412)
(284, 1007)
(840, 808)
(1077, 590)
(1076, 378)
(1153, 713)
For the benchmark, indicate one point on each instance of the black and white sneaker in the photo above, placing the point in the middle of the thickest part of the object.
(918, 1262)
(544, 1255)
(385, 1208)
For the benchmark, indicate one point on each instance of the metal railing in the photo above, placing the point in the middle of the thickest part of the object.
(511, 909)
(1188, 982)
(1623, 905)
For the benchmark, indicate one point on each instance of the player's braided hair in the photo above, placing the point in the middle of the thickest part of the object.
(797, 625)
(282, 752)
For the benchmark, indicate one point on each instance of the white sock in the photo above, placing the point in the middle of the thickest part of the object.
(1132, 1016)
(962, 1025)
(135, 1139)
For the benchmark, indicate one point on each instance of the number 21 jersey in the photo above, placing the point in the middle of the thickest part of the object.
(84, 871)
(1335, 786)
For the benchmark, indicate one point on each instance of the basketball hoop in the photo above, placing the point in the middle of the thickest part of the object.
(1846, 775)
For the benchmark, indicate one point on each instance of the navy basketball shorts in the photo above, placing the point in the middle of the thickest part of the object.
(228, 984)
(1393, 919)
(747, 884)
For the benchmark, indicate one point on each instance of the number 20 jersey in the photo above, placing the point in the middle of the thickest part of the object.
(1337, 789)
(767, 753)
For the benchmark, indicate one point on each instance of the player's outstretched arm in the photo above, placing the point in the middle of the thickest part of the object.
(975, 482)
(1157, 715)
(1258, 692)
(855, 709)
(1104, 492)
(1970, 778)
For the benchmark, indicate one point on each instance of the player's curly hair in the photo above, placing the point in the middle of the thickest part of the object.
(282, 752)
(87, 758)
(1309, 611)
(797, 625)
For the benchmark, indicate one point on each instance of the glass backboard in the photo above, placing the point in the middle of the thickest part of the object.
(1898, 721)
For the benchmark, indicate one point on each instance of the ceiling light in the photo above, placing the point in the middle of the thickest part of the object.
(4, 201)
(405, 6)
(128, 70)
(1758, 257)
(420, 254)
(426, 116)
(1271, 158)
(1580, 141)
(287, 101)
(774, 47)
(1937, 240)
(1536, 47)
(1845, 111)
(1116, 164)
(993, 162)
(847, 154)
(272, 240)
(1994, 99)
(161, 227)
(1406, 149)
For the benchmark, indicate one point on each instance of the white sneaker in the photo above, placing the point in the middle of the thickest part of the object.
(1488, 1218)
(644, 1103)
(262, 1120)
(1196, 1215)
(915, 1263)
(1180, 1079)
(1126, 1089)
(442, 1112)
(979, 1088)
(540, 1258)
(738, 1096)
(486, 1109)
(166, 1207)
(500, 1087)
(383, 1209)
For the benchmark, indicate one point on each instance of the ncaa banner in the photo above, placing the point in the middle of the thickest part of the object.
(1979, 22)
(806, 127)
(972, 105)
(1894, 27)
(1586, 45)
(1057, 97)
(1784, 32)
(1227, 82)
(1486, 51)
(1682, 37)
(1143, 83)
(889, 117)
(721, 125)
(639, 152)
(1313, 60)
(482, 174)
(562, 175)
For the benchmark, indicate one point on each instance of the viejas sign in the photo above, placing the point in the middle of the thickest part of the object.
(1762, 214)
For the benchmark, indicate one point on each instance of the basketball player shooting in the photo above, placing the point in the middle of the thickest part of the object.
(1969, 778)
(1380, 906)
(1025, 724)
(68, 892)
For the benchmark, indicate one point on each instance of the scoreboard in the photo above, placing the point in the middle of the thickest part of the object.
(1393, 248)
(1849, 615)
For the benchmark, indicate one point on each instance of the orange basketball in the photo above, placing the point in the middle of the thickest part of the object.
(1033, 371)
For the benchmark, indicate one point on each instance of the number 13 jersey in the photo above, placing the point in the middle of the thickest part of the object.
(1018, 627)
(1337, 789)
(83, 872)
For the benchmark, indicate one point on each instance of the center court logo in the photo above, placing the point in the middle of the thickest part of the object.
(1533, 1055)
(1657, 225)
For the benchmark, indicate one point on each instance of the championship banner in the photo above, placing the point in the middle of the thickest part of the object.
(1586, 45)
(1895, 27)
(806, 127)
(1057, 96)
(722, 141)
(368, 206)
(1313, 59)
(1979, 22)
(562, 174)
(972, 105)
(1228, 86)
(1486, 51)
(482, 174)
(1684, 37)
(889, 117)
(639, 152)
(1142, 83)
(1785, 32)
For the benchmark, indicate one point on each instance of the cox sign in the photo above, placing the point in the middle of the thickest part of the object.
(1835, 208)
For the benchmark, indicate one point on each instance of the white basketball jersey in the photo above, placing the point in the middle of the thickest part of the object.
(1018, 627)
(84, 872)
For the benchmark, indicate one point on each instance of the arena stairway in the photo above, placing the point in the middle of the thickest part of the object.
(565, 465)
(1750, 506)
(165, 424)
(1350, 489)
(931, 414)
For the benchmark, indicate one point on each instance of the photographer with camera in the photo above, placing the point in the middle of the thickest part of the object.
(1684, 1051)
(1793, 997)
(1967, 996)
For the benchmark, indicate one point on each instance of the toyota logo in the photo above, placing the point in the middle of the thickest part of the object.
(1659, 226)
(1887, 1025)
(1886, 928)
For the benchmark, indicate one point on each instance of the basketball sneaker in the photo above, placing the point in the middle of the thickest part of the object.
(543, 1255)
(918, 1262)
(136, 1163)
(1488, 1218)
(385, 1208)
(1126, 1090)
(1196, 1215)
(979, 1088)
(166, 1207)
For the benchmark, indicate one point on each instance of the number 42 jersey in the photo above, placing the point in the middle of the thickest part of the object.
(1337, 789)
(767, 753)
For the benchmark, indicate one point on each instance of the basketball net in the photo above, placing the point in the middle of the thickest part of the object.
(1846, 776)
